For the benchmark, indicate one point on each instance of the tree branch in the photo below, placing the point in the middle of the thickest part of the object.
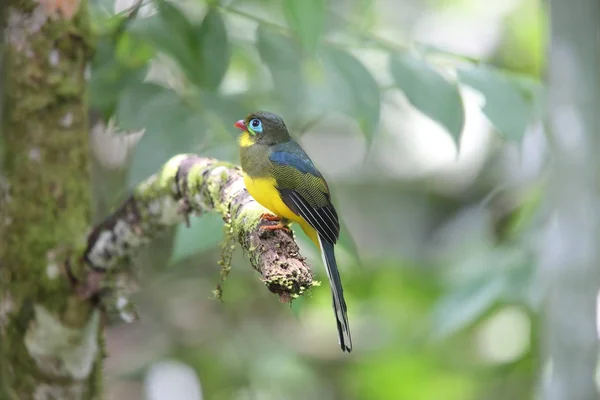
(190, 184)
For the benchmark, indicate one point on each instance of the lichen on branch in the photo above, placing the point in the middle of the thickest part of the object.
(188, 184)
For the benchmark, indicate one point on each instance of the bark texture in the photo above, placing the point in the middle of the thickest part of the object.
(190, 184)
(49, 337)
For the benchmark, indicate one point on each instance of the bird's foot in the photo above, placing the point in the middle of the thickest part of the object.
(280, 225)
(270, 217)
(276, 227)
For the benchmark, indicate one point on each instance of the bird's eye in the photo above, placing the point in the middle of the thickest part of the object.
(256, 125)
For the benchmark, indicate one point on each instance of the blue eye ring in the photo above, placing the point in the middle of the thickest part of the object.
(256, 125)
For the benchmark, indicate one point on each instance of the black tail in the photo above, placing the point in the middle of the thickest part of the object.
(339, 304)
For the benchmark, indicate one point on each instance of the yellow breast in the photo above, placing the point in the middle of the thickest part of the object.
(264, 191)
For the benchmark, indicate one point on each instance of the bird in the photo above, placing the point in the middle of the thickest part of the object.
(281, 177)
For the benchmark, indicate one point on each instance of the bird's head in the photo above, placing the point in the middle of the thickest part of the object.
(262, 127)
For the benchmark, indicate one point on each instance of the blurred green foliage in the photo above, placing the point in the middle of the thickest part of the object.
(421, 83)
(441, 254)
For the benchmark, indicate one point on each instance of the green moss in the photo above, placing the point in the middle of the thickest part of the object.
(45, 133)
(169, 171)
(281, 283)
(195, 178)
(213, 188)
(227, 249)
(249, 219)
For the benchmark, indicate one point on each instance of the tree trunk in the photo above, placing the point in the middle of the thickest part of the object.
(50, 340)
(570, 257)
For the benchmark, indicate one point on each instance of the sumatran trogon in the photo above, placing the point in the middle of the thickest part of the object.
(281, 177)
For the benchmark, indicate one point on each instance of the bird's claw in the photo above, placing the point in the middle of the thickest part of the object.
(270, 217)
(280, 225)
(276, 227)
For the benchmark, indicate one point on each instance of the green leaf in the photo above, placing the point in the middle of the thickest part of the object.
(466, 304)
(160, 111)
(307, 20)
(524, 217)
(141, 105)
(171, 125)
(213, 52)
(276, 49)
(171, 33)
(202, 51)
(534, 94)
(103, 19)
(205, 232)
(480, 281)
(356, 91)
(282, 56)
(132, 52)
(109, 77)
(504, 105)
(429, 92)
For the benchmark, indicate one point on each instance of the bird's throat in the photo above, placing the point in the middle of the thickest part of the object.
(245, 140)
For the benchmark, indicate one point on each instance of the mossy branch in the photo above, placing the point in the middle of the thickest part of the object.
(190, 184)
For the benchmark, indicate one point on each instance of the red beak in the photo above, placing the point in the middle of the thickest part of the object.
(240, 125)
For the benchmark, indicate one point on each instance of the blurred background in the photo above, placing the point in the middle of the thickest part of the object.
(424, 116)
